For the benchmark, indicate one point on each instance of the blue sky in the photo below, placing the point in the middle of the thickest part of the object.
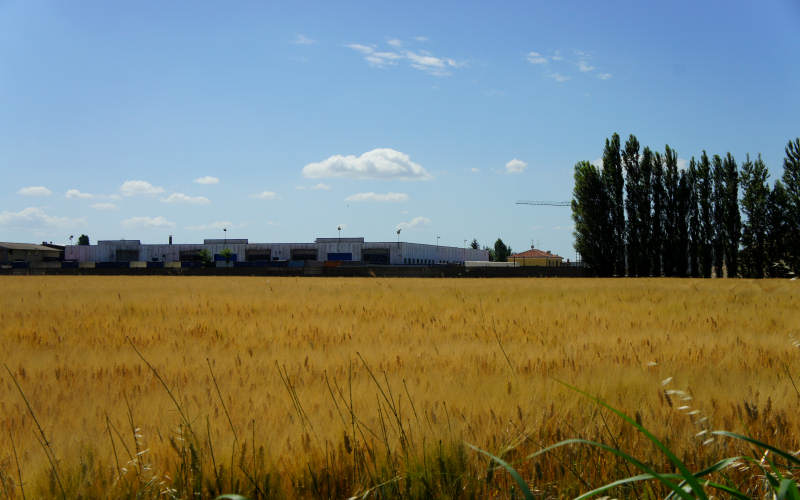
(283, 120)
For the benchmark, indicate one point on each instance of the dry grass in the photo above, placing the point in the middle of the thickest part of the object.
(452, 360)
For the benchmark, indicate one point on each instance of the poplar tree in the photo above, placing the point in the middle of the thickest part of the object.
(718, 177)
(791, 182)
(778, 231)
(644, 213)
(703, 188)
(694, 220)
(590, 208)
(613, 182)
(633, 190)
(755, 196)
(733, 218)
(657, 238)
(671, 251)
(683, 195)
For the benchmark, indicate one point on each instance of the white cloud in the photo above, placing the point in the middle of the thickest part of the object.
(557, 56)
(585, 67)
(147, 222)
(474, 170)
(266, 195)
(604, 76)
(394, 42)
(382, 163)
(421, 38)
(34, 191)
(515, 166)
(320, 187)
(183, 198)
(74, 193)
(423, 61)
(136, 188)
(390, 197)
(536, 58)
(207, 180)
(414, 223)
(683, 163)
(301, 39)
(33, 217)
(598, 162)
(558, 77)
(212, 225)
(103, 206)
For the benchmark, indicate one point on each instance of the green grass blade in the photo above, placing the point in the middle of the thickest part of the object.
(788, 490)
(722, 464)
(760, 444)
(523, 486)
(690, 478)
(663, 478)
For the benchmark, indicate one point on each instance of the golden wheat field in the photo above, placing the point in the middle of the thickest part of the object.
(330, 388)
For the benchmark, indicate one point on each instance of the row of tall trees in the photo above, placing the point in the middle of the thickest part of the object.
(643, 215)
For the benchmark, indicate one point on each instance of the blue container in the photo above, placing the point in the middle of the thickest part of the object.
(340, 256)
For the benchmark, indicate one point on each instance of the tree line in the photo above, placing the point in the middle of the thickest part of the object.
(642, 215)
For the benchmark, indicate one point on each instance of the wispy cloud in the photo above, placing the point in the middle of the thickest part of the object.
(301, 39)
(559, 77)
(148, 222)
(265, 195)
(208, 179)
(516, 166)
(420, 60)
(212, 225)
(557, 56)
(104, 206)
(584, 67)
(474, 170)
(34, 191)
(74, 193)
(414, 223)
(383, 197)
(421, 38)
(35, 217)
(536, 58)
(320, 187)
(604, 76)
(139, 188)
(376, 164)
(183, 198)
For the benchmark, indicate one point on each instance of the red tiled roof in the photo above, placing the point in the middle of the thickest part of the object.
(537, 254)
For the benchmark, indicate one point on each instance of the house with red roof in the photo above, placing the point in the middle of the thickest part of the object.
(535, 257)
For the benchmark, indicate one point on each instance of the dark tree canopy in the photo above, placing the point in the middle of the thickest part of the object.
(83, 239)
(590, 207)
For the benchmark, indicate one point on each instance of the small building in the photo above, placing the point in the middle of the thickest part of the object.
(27, 253)
(535, 257)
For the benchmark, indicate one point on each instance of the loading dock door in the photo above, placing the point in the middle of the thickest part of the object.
(122, 255)
(304, 254)
(375, 256)
(340, 256)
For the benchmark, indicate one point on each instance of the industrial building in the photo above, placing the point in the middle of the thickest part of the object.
(228, 252)
(24, 254)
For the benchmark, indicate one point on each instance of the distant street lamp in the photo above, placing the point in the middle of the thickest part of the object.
(437, 248)
(339, 228)
(225, 231)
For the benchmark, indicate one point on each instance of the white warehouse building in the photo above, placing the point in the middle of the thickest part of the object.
(354, 250)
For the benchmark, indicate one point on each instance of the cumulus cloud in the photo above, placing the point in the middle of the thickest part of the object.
(265, 195)
(604, 76)
(515, 166)
(183, 198)
(390, 197)
(139, 188)
(74, 193)
(301, 39)
(423, 60)
(394, 42)
(536, 58)
(414, 223)
(585, 67)
(207, 180)
(103, 206)
(148, 222)
(35, 217)
(382, 163)
(34, 191)
(558, 77)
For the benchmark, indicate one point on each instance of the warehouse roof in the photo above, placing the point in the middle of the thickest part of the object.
(26, 246)
(535, 253)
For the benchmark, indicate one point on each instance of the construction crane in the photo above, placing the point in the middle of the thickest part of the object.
(544, 203)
